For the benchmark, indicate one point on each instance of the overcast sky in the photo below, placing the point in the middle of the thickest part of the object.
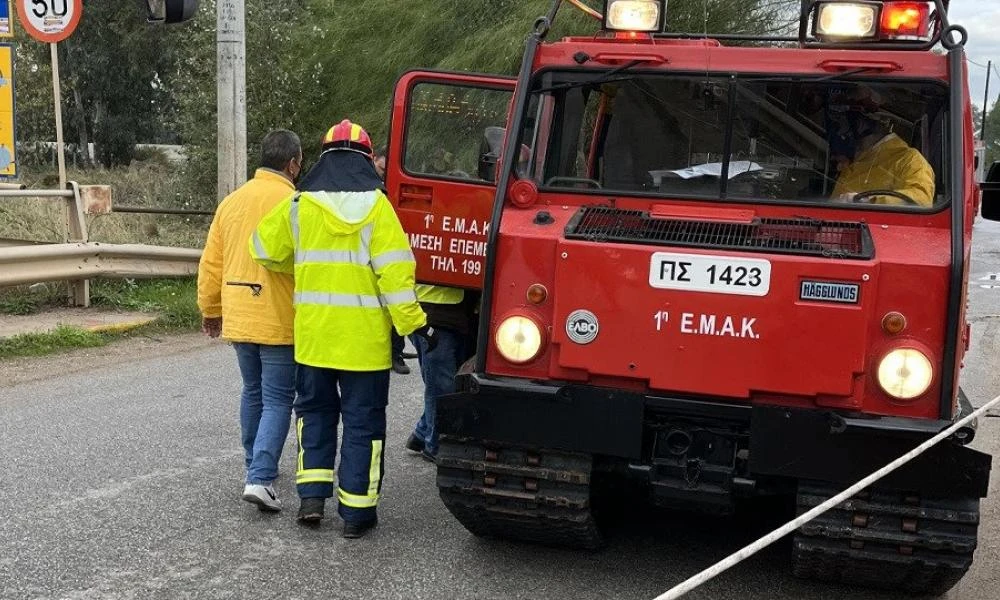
(982, 19)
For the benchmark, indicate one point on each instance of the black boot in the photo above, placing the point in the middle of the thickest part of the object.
(355, 530)
(311, 511)
(414, 444)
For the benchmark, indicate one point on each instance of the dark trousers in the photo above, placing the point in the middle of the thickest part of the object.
(398, 343)
(361, 402)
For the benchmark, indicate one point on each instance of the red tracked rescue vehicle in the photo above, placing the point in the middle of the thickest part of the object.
(714, 266)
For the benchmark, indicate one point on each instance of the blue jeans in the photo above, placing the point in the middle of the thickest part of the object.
(438, 369)
(265, 406)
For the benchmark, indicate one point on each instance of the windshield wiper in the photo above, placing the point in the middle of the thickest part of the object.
(608, 77)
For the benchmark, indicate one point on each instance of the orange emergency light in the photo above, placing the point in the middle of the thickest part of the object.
(905, 20)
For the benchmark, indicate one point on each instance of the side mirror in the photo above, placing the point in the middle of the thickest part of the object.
(489, 153)
(169, 11)
(991, 194)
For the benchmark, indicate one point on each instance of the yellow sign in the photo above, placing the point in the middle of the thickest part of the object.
(8, 166)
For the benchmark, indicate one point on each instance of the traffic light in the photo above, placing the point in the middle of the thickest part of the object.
(169, 11)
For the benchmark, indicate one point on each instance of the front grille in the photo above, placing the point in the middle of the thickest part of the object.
(811, 237)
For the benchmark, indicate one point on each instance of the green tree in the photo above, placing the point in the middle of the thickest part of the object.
(111, 73)
(992, 135)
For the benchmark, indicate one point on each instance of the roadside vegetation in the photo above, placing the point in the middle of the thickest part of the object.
(172, 299)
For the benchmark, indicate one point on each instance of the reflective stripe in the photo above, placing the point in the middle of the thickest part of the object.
(375, 469)
(400, 297)
(366, 236)
(294, 218)
(356, 501)
(302, 451)
(332, 256)
(314, 476)
(393, 256)
(258, 247)
(351, 300)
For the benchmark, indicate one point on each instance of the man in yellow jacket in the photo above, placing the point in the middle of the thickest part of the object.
(873, 158)
(252, 307)
(354, 281)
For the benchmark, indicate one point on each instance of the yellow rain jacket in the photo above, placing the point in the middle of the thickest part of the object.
(354, 276)
(254, 303)
(438, 294)
(893, 165)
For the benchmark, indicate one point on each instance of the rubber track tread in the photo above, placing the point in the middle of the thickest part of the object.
(545, 500)
(862, 542)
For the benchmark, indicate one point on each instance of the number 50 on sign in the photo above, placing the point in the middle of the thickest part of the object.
(49, 20)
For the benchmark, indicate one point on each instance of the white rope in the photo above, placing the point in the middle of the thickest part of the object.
(748, 551)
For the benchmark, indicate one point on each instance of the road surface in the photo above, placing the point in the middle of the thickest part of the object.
(121, 480)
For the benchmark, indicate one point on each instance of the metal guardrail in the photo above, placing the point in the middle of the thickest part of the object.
(77, 259)
(65, 262)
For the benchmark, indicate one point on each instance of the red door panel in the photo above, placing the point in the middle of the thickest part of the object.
(444, 141)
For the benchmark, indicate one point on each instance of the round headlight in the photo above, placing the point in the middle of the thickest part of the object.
(905, 373)
(518, 339)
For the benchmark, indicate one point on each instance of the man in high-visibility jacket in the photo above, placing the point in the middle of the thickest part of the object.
(450, 312)
(252, 308)
(354, 280)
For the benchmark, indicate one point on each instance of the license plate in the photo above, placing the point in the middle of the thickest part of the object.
(714, 274)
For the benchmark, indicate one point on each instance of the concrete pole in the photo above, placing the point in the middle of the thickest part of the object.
(232, 116)
(57, 94)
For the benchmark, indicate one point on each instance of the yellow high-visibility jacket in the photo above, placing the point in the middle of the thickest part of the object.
(254, 303)
(354, 276)
(439, 294)
(893, 165)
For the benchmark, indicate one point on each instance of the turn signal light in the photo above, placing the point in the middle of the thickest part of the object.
(537, 293)
(893, 323)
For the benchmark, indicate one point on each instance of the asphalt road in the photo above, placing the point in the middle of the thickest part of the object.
(122, 481)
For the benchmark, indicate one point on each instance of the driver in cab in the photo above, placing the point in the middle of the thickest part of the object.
(871, 157)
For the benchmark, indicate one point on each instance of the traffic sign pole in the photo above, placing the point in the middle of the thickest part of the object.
(57, 92)
(47, 21)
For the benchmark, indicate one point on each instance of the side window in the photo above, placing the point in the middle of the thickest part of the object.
(454, 132)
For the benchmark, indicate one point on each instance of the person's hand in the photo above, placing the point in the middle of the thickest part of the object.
(430, 336)
(212, 326)
(845, 198)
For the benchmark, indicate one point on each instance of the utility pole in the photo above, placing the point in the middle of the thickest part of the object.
(986, 99)
(232, 105)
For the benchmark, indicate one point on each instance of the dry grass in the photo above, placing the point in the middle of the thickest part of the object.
(147, 184)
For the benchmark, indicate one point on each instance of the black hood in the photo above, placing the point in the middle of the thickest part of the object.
(342, 171)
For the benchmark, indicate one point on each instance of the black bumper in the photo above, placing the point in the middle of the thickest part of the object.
(793, 443)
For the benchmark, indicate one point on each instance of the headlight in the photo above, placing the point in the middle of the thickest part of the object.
(846, 20)
(905, 373)
(634, 15)
(519, 339)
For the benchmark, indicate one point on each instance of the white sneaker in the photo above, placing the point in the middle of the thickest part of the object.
(263, 496)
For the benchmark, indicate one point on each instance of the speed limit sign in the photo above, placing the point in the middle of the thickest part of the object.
(49, 20)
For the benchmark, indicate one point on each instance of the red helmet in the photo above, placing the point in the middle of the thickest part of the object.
(348, 136)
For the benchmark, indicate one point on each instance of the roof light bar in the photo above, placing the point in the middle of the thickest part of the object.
(871, 20)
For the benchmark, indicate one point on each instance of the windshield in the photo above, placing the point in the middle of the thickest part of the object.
(739, 138)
